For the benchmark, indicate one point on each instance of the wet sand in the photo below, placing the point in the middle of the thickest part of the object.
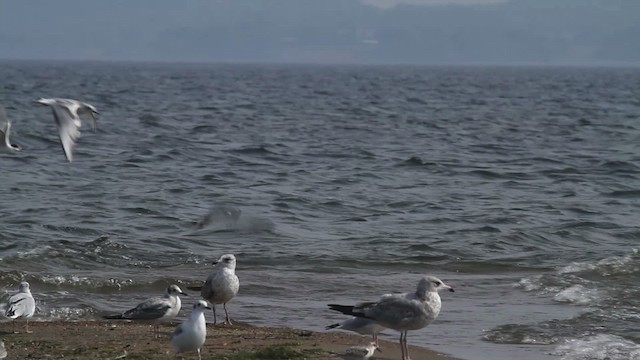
(126, 340)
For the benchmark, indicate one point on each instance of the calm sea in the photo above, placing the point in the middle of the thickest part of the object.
(518, 186)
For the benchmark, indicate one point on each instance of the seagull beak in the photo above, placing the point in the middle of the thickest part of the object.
(215, 262)
(184, 293)
(208, 307)
(379, 348)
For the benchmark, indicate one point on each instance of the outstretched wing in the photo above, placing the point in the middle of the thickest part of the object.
(68, 129)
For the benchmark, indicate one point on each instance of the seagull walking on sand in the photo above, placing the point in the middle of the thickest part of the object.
(21, 305)
(5, 133)
(67, 114)
(361, 326)
(191, 334)
(221, 285)
(402, 312)
(360, 352)
(155, 309)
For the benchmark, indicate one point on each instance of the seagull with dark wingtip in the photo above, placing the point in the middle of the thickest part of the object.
(155, 309)
(402, 312)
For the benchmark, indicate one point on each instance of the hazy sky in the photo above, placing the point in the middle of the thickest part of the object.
(324, 31)
(391, 3)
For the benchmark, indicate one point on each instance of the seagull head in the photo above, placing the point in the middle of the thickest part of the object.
(432, 283)
(227, 261)
(24, 286)
(202, 305)
(44, 101)
(175, 290)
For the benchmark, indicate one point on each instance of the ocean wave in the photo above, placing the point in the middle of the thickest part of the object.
(599, 347)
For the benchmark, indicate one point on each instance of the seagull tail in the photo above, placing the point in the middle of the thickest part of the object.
(113, 317)
(345, 309)
(332, 326)
(194, 288)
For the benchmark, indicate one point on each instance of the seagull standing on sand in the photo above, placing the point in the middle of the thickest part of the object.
(221, 285)
(361, 326)
(21, 305)
(154, 310)
(67, 115)
(360, 352)
(190, 335)
(402, 312)
(5, 133)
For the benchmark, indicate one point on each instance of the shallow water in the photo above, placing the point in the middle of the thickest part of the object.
(517, 186)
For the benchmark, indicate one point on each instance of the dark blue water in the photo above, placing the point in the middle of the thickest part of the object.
(520, 187)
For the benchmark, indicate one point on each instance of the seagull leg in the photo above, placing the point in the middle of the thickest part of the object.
(375, 339)
(199, 356)
(27, 327)
(13, 326)
(405, 346)
(228, 320)
(213, 307)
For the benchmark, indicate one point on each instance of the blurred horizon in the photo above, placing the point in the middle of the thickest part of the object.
(417, 32)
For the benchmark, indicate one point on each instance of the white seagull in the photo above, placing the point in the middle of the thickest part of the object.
(221, 285)
(155, 309)
(361, 326)
(191, 334)
(5, 133)
(360, 352)
(67, 115)
(21, 305)
(402, 312)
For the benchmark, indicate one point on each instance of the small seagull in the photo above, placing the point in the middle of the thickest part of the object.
(190, 335)
(154, 310)
(67, 115)
(360, 352)
(221, 285)
(361, 326)
(5, 133)
(21, 305)
(402, 312)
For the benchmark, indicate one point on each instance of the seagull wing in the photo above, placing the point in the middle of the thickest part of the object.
(151, 309)
(4, 127)
(68, 129)
(19, 305)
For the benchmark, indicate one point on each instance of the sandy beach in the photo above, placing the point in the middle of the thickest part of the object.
(126, 340)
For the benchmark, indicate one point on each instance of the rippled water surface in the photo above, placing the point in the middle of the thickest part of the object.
(517, 186)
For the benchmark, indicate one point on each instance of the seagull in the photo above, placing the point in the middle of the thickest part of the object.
(190, 335)
(5, 133)
(221, 285)
(155, 309)
(67, 115)
(21, 305)
(402, 312)
(360, 352)
(361, 326)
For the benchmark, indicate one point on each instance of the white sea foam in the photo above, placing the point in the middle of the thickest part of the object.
(577, 294)
(599, 347)
(607, 266)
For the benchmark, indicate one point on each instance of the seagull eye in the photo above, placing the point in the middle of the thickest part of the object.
(438, 283)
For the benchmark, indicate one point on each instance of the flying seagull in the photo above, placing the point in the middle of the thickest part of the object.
(67, 115)
(5, 133)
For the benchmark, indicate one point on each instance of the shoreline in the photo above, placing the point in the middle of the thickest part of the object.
(105, 339)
